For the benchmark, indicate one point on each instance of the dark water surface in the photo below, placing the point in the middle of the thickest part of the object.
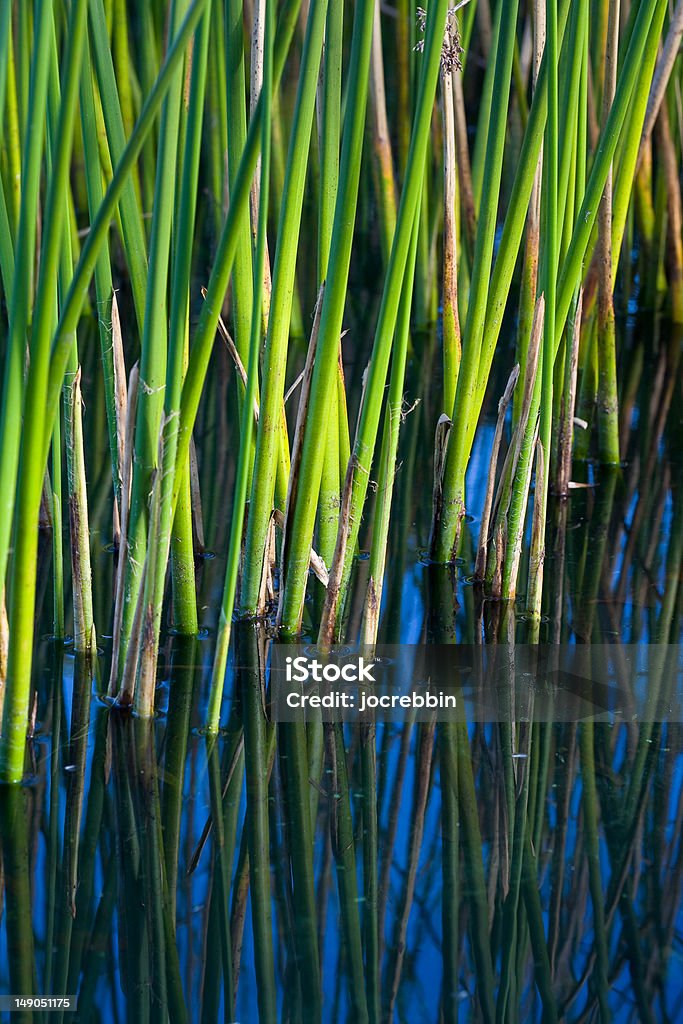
(515, 871)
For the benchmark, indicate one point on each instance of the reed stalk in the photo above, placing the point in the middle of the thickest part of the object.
(665, 65)
(225, 254)
(30, 469)
(130, 211)
(383, 163)
(387, 475)
(37, 435)
(258, 38)
(452, 344)
(242, 273)
(153, 355)
(81, 576)
(608, 403)
(359, 464)
(14, 822)
(675, 215)
(81, 573)
(223, 639)
(586, 216)
(460, 446)
(22, 291)
(449, 516)
(268, 437)
(103, 272)
(57, 545)
(14, 140)
(300, 535)
(547, 356)
(177, 538)
(329, 97)
(527, 300)
(635, 144)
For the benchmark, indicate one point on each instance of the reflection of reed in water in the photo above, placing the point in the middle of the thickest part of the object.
(501, 871)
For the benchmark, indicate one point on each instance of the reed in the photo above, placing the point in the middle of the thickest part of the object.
(304, 499)
(366, 433)
(275, 361)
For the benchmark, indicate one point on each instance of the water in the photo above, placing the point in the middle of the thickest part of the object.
(537, 869)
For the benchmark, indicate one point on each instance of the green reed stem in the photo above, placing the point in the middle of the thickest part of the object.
(21, 296)
(81, 576)
(153, 357)
(460, 445)
(183, 583)
(387, 468)
(36, 436)
(608, 399)
(8, 111)
(269, 432)
(14, 830)
(33, 441)
(300, 530)
(383, 163)
(549, 277)
(57, 542)
(6, 247)
(486, 106)
(242, 272)
(175, 369)
(99, 228)
(103, 274)
(359, 464)
(586, 217)
(133, 231)
(200, 352)
(329, 140)
(122, 63)
(247, 422)
(630, 149)
(449, 517)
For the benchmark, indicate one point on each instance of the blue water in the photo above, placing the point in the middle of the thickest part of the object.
(106, 792)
